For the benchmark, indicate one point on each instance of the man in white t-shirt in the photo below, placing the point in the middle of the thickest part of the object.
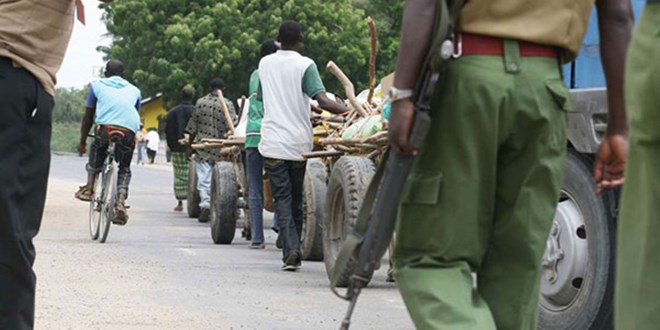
(287, 81)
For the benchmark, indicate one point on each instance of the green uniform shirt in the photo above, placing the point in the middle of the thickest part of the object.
(255, 113)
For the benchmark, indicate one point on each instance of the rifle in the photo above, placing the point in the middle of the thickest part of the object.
(365, 246)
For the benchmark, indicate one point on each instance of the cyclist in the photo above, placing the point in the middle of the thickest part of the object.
(114, 103)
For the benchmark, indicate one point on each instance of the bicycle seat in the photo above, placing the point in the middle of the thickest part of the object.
(116, 133)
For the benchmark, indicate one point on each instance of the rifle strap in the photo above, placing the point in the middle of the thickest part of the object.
(447, 12)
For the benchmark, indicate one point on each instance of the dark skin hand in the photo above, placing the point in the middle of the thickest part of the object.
(615, 20)
(85, 126)
(416, 33)
(326, 103)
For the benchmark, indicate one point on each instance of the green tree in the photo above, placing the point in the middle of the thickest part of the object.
(67, 114)
(166, 44)
(69, 105)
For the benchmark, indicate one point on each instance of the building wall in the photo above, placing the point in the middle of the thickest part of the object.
(150, 112)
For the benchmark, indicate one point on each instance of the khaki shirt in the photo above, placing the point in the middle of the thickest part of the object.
(34, 34)
(561, 23)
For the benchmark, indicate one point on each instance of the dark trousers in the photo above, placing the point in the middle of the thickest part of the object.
(25, 130)
(286, 183)
(152, 155)
(124, 146)
(254, 166)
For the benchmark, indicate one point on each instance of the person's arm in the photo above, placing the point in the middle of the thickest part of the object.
(313, 87)
(326, 103)
(416, 33)
(87, 121)
(615, 24)
(191, 129)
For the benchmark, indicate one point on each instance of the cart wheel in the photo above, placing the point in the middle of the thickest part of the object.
(192, 202)
(224, 203)
(243, 193)
(347, 186)
(315, 189)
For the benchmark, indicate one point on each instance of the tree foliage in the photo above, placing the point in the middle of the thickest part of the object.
(166, 44)
(69, 105)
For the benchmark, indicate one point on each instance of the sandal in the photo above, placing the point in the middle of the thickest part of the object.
(84, 193)
(121, 215)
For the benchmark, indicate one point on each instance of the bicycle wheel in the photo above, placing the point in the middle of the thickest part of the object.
(95, 210)
(108, 201)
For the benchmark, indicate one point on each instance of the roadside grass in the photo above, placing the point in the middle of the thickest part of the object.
(65, 136)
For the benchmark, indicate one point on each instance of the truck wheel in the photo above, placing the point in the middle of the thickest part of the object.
(578, 272)
(192, 202)
(224, 200)
(313, 210)
(347, 186)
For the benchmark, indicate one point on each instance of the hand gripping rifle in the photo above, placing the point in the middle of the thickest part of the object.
(364, 247)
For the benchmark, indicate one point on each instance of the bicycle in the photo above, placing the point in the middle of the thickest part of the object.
(102, 205)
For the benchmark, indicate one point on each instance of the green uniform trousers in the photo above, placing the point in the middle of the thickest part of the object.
(637, 290)
(482, 194)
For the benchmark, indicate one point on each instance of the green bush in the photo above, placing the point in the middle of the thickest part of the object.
(65, 136)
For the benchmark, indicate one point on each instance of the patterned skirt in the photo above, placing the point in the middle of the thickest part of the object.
(180, 164)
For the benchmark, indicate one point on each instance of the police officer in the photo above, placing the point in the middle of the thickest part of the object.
(638, 252)
(487, 182)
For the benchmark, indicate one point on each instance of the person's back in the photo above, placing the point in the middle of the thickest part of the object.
(208, 114)
(116, 101)
(286, 129)
(177, 119)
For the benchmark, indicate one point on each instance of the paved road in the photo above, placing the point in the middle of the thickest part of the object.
(162, 271)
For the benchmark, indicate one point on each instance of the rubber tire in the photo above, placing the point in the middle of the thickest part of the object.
(192, 202)
(224, 203)
(593, 307)
(315, 189)
(94, 214)
(347, 186)
(109, 197)
(244, 222)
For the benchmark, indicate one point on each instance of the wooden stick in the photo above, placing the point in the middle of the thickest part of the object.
(374, 153)
(372, 59)
(229, 151)
(333, 119)
(325, 153)
(332, 140)
(206, 145)
(225, 111)
(376, 137)
(240, 111)
(348, 88)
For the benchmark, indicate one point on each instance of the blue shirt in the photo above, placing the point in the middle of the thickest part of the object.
(117, 103)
